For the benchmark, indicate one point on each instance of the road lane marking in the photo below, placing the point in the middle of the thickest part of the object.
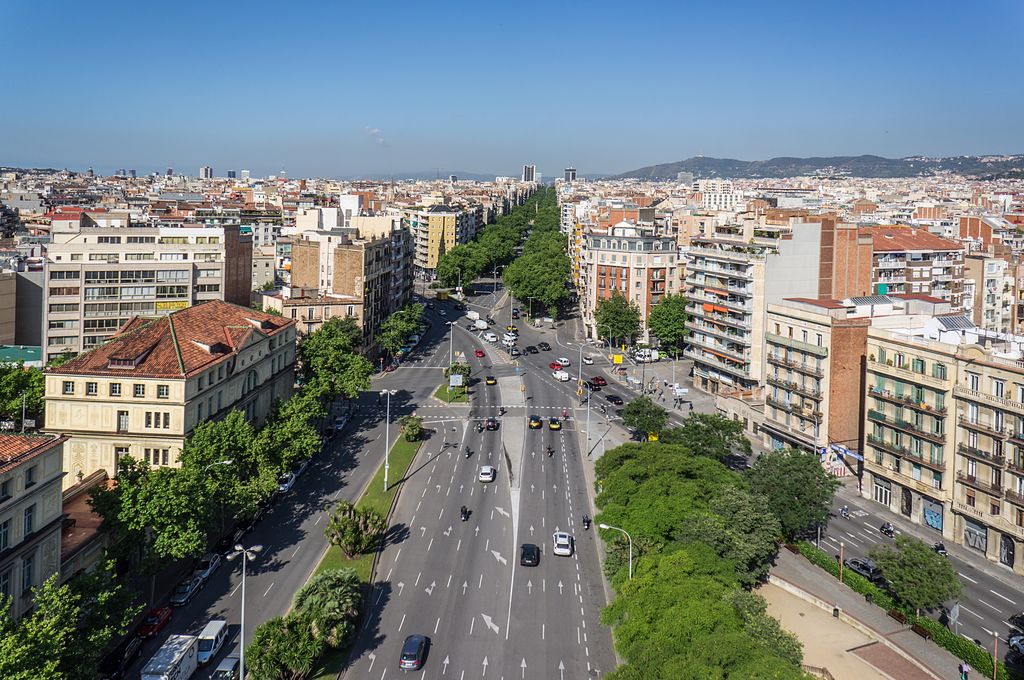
(234, 589)
(268, 590)
(436, 625)
(542, 631)
(972, 613)
(1003, 596)
(418, 578)
(430, 545)
(962, 575)
(397, 554)
(481, 583)
(297, 549)
(989, 606)
(402, 622)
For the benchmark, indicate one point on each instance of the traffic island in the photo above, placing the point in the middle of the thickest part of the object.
(454, 395)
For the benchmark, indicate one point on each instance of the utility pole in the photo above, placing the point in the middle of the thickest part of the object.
(23, 395)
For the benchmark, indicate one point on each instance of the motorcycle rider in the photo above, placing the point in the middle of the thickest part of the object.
(464, 513)
(551, 451)
(468, 451)
(586, 521)
(845, 512)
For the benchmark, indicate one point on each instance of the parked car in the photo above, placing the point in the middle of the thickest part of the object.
(599, 380)
(564, 361)
(563, 543)
(206, 566)
(1016, 643)
(414, 653)
(299, 467)
(229, 540)
(185, 591)
(285, 482)
(529, 555)
(227, 669)
(536, 423)
(114, 664)
(543, 346)
(487, 473)
(865, 567)
(154, 622)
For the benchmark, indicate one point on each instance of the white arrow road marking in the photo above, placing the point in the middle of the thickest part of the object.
(445, 664)
(477, 532)
(489, 623)
(401, 587)
(485, 666)
(465, 584)
(559, 587)
(497, 556)
(448, 531)
(561, 669)
(430, 590)
(502, 511)
(372, 657)
(531, 530)
(529, 587)
(423, 531)
(523, 666)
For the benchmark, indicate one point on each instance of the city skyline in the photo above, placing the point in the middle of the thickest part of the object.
(260, 92)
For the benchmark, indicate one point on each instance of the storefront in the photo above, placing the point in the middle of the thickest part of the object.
(975, 535)
(882, 491)
(931, 513)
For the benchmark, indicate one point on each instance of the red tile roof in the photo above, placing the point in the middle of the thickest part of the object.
(15, 449)
(178, 345)
(899, 239)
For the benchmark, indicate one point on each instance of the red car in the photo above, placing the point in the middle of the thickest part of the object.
(154, 622)
(478, 353)
(555, 366)
(598, 380)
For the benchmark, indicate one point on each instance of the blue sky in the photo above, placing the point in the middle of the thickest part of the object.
(344, 88)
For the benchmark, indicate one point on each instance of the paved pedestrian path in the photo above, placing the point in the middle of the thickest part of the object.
(907, 656)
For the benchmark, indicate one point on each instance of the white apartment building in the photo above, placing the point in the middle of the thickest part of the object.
(717, 194)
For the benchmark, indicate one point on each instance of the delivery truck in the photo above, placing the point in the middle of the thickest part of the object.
(473, 316)
(176, 660)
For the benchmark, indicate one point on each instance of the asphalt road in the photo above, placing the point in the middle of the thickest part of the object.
(291, 532)
(461, 583)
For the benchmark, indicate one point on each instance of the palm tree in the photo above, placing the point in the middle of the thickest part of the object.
(329, 605)
(282, 649)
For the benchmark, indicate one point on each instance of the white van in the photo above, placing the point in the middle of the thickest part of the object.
(560, 376)
(212, 639)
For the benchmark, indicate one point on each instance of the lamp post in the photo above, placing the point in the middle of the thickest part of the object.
(451, 342)
(219, 462)
(247, 554)
(628, 538)
(387, 437)
(609, 327)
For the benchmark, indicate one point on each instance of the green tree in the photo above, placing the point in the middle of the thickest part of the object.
(283, 649)
(412, 427)
(17, 383)
(796, 488)
(462, 263)
(329, 604)
(355, 530)
(396, 330)
(329, 356)
(709, 434)
(667, 321)
(920, 577)
(459, 368)
(644, 416)
(616, 318)
(753, 609)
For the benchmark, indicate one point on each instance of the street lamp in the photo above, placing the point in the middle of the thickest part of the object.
(628, 538)
(451, 342)
(219, 462)
(387, 436)
(247, 554)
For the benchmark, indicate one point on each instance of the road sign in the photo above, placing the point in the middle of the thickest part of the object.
(455, 380)
(6, 424)
(29, 422)
(616, 358)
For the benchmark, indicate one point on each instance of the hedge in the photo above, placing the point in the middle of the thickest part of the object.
(957, 645)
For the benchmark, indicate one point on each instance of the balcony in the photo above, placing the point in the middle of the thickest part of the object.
(797, 345)
(698, 310)
(1014, 497)
(807, 369)
(974, 482)
(906, 400)
(988, 399)
(891, 264)
(984, 428)
(731, 272)
(795, 387)
(741, 338)
(979, 454)
(1016, 464)
(906, 426)
(714, 253)
(738, 354)
(907, 374)
(736, 305)
(733, 369)
(907, 454)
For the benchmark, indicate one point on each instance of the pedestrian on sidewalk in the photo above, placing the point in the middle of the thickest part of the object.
(691, 406)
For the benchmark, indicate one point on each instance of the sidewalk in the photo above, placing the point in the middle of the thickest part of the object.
(917, 657)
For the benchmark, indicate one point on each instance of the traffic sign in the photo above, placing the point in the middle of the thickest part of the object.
(616, 358)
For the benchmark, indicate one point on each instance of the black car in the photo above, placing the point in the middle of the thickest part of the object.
(492, 424)
(593, 386)
(414, 653)
(1017, 621)
(865, 568)
(614, 399)
(530, 349)
(228, 542)
(529, 555)
(544, 346)
(120, 658)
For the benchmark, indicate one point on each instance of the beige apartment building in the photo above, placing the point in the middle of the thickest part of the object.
(310, 310)
(98, 276)
(915, 261)
(143, 392)
(30, 515)
(989, 292)
(8, 305)
(435, 230)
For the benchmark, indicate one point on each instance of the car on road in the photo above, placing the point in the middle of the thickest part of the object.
(614, 399)
(529, 555)
(593, 386)
(515, 313)
(227, 669)
(563, 361)
(554, 424)
(513, 352)
(490, 380)
(588, 360)
(536, 423)
(185, 591)
(563, 543)
(1017, 621)
(543, 346)
(487, 473)
(492, 424)
(414, 653)
(514, 330)
(430, 305)
(299, 467)
(285, 482)
(560, 376)
(599, 380)
(508, 343)
(865, 567)
(490, 336)
(207, 565)
(114, 664)
(530, 349)
(555, 365)
(1016, 643)
(478, 353)
(154, 622)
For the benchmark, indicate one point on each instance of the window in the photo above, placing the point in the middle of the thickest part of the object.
(27, 571)
(122, 421)
(917, 366)
(973, 381)
(91, 389)
(994, 509)
(819, 339)
(969, 498)
(66, 290)
(998, 387)
(162, 391)
(149, 419)
(5, 535)
(138, 391)
(69, 387)
(115, 389)
(5, 490)
(30, 520)
(30, 477)
(167, 421)
(63, 275)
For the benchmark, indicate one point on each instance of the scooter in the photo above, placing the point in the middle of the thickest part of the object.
(887, 530)
(479, 427)
(940, 548)
(845, 513)
(465, 513)
(469, 452)
(586, 522)
(551, 452)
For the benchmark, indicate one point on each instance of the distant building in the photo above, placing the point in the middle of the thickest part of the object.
(245, 175)
(206, 172)
(170, 172)
(8, 307)
(142, 393)
(570, 174)
(232, 174)
(529, 173)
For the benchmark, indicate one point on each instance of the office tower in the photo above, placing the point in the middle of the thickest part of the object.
(90, 173)
(232, 174)
(131, 173)
(570, 174)
(245, 175)
(206, 172)
(529, 173)
(170, 172)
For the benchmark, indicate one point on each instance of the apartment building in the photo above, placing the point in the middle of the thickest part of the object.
(435, 230)
(717, 194)
(634, 260)
(989, 292)
(143, 392)
(264, 267)
(30, 515)
(310, 310)
(98, 277)
(8, 306)
(914, 261)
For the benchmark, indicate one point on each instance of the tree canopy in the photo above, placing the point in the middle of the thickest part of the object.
(616, 318)
(709, 434)
(644, 416)
(920, 577)
(667, 321)
(329, 355)
(796, 488)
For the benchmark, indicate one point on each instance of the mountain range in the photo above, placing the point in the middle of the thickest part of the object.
(706, 167)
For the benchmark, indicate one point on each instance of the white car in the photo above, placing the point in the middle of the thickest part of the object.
(509, 337)
(563, 543)
(588, 360)
(508, 343)
(490, 337)
(563, 361)
(560, 376)
(285, 482)
(487, 473)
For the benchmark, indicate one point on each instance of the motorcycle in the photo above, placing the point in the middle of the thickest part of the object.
(469, 452)
(844, 513)
(940, 548)
(887, 530)
(586, 522)
(465, 513)
(479, 427)
(551, 452)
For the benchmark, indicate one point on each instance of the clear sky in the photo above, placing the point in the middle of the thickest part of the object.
(344, 88)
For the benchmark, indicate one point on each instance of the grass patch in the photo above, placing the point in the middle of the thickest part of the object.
(402, 454)
(458, 395)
